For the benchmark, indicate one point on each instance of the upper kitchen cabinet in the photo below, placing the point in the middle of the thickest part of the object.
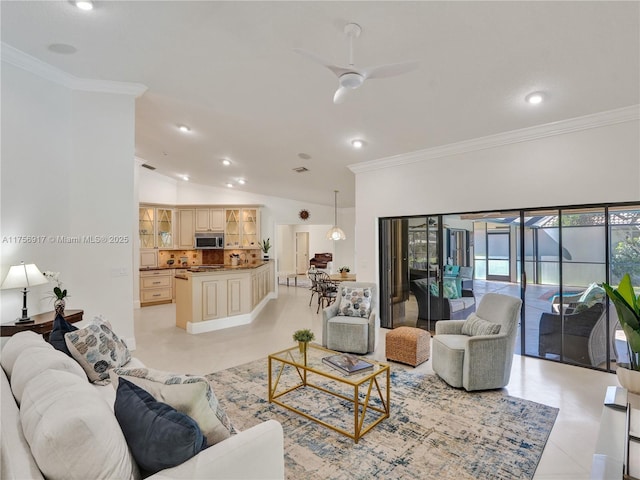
(156, 227)
(186, 228)
(242, 228)
(210, 220)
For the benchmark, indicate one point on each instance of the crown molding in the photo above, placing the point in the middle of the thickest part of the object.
(601, 119)
(19, 59)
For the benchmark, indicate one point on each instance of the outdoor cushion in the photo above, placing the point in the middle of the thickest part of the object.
(450, 288)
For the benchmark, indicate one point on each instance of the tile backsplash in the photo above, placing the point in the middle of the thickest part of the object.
(207, 257)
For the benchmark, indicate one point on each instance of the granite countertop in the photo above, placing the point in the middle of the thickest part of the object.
(207, 268)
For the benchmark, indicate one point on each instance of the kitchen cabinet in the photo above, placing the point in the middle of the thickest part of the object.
(186, 228)
(155, 227)
(156, 286)
(209, 220)
(242, 228)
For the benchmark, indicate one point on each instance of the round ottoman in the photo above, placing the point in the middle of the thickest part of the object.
(408, 345)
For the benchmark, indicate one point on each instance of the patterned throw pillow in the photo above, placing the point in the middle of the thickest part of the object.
(189, 394)
(355, 302)
(97, 349)
(474, 325)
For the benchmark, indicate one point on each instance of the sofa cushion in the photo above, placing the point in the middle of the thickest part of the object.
(475, 325)
(450, 288)
(191, 395)
(56, 337)
(355, 302)
(33, 361)
(71, 431)
(97, 349)
(17, 344)
(158, 435)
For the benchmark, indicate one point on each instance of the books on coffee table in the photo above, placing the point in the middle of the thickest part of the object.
(347, 363)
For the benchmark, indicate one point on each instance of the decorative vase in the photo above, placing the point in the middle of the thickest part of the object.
(59, 305)
(343, 274)
(265, 256)
(303, 346)
(629, 379)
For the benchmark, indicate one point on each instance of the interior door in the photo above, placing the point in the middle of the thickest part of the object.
(302, 252)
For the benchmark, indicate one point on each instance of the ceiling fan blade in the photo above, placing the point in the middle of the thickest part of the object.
(340, 95)
(336, 69)
(390, 70)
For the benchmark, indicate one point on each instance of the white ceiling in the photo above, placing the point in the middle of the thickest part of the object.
(227, 69)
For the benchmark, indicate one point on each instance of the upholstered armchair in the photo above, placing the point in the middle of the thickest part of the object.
(477, 353)
(347, 324)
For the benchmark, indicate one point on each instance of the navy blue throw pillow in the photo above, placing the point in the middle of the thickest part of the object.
(56, 337)
(158, 435)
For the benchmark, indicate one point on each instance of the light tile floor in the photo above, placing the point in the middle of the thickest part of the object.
(577, 392)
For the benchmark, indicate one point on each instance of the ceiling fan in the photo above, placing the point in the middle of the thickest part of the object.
(350, 78)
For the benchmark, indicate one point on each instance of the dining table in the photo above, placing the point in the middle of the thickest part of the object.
(338, 277)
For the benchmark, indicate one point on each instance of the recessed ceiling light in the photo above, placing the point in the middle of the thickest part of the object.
(226, 162)
(230, 185)
(84, 5)
(184, 128)
(357, 143)
(242, 181)
(534, 98)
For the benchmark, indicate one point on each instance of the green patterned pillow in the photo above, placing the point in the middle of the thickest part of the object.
(450, 288)
(474, 325)
(355, 302)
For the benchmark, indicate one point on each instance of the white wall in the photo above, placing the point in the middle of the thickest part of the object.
(600, 164)
(67, 171)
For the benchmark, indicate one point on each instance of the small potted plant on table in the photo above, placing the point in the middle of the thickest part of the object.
(344, 270)
(303, 337)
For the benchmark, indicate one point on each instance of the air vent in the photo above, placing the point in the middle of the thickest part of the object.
(301, 169)
(150, 167)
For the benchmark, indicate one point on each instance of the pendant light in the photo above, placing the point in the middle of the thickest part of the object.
(335, 233)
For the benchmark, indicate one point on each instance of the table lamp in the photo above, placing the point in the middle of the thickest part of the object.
(23, 276)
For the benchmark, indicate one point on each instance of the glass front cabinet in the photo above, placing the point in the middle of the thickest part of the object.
(242, 228)
(155, 226)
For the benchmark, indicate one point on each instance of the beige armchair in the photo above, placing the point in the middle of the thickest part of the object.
(353, 331)
(466, 354)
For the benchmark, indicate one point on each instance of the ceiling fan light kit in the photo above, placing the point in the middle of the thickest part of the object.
(352, 78)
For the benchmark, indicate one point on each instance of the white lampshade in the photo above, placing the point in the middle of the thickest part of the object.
(22, 276)
(336, 233)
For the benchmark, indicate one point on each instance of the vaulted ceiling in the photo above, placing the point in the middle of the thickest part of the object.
(228, 71)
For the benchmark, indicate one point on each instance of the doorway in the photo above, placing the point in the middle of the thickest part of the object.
(302, 252)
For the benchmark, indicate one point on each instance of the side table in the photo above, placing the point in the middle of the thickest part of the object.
(42, 323)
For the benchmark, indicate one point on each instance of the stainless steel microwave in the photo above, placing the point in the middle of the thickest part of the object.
(209, 240)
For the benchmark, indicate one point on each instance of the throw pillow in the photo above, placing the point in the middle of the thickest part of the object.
(475, 325)
(56, 337)
(191, 395)
(355, 302)
(158, 435)
(97, 349)
(450, 290)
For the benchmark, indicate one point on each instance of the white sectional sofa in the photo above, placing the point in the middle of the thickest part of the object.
(55, 424)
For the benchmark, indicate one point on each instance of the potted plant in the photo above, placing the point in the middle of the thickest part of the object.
(303, 337)
(627, 305)
(59, 294)
(265, 245)
(344, 270)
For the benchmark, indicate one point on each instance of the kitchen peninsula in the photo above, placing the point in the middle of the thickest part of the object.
(213, 298)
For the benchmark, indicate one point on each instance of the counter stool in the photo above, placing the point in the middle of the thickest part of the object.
(408, 345)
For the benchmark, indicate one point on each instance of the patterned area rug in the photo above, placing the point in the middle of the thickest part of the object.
(434, 431)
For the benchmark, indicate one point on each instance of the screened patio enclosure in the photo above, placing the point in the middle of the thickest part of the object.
(554, 259)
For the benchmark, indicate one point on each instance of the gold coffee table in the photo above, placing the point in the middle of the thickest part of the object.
(370, 390)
